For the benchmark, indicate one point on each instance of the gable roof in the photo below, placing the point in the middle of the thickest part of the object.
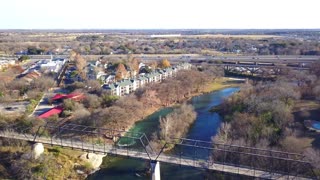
(51, 112)
(74, 96)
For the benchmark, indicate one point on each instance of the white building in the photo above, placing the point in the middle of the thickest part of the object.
(6, 63)
(126, 86)
(52, 65)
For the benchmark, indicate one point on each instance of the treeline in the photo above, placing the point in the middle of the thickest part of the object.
(262, 115)
(174, 125)
(257, 113)
(99, 44)
(124, 112)
(17, 88)
(267, 46)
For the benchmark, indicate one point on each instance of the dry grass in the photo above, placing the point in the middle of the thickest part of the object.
(233, 36)
(306, 105)
(295, 144)
(219, 84)
(218, 53)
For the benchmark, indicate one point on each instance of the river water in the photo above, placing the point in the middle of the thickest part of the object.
(205, 126)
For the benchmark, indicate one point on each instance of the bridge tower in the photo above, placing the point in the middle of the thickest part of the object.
(155, 170)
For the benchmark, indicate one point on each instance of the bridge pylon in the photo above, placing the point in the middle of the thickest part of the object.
(155, 170)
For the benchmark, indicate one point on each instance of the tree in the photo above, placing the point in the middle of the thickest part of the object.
(43, 83)
(121, 72)
(93, 85)
(108, 100)
(92, 101)
(154, 64)
(214, 71)
(35, 51)
(315, 69)
(23, 58)
(72, 55)
(177, 123)
(81, 65)
(164, 63)
(313, 155)
(68, 104)
(133, 63)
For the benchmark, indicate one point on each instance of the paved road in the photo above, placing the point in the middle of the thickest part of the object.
(282, 59)
(44, 105)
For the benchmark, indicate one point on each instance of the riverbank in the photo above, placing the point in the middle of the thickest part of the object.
(18, 163)
(203, 128)
(222, 83)
(216, 85)
(307, 110)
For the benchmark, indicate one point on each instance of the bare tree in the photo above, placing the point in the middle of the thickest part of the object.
(81, 65)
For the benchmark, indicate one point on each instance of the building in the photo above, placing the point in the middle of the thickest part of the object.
(6, 63)
(108, 79)
(73, 96)
(56, 110)
(32, 75)
(52, 65)
(126, 86)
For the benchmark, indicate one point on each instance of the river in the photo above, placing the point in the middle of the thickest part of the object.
(205, 126)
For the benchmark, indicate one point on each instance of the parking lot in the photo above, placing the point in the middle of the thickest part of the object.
(13, 108)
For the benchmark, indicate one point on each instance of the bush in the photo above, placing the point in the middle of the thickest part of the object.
(92, 101)
(69, 105)
(23, 58)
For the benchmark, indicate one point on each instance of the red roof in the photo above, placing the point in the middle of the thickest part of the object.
(53, 111)
(58, 96)
(74, 96)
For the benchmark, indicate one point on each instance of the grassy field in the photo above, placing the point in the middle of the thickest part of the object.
(255, 37)
(306, 105)
(222, 83)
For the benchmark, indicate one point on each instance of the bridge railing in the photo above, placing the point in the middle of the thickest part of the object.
(103, 138)
(187, 152)
(76, 144)
(272, 161)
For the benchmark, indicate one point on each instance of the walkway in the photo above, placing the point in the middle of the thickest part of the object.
(109, 149)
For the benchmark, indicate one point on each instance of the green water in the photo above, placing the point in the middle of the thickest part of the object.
(205, 126)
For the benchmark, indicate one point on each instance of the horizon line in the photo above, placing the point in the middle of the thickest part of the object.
(159, 28)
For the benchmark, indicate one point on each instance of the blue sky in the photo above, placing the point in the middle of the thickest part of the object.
(155, 14)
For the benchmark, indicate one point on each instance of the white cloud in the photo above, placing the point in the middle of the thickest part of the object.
(159, 14)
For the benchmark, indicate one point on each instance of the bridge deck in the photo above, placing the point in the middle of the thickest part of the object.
(109, 149)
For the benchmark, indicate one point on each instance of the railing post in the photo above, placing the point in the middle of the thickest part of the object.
(254, 167)
(60, 135)
(239, 160)
(180, 154)
(51, 140)
(92, 144)
(224, 155)
(127, 152)
(82, 145)
(271, 169)
(116, 149)
(194, 156)
(209, 158)
(61, 141)
(288, 166)
(71, 144)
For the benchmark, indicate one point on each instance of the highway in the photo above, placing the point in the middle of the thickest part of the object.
(188, 57)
